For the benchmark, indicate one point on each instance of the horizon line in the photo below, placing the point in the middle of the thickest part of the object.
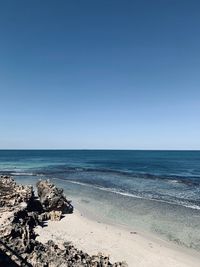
(99, 149)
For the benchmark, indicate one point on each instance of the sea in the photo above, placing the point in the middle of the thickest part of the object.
(153, 191)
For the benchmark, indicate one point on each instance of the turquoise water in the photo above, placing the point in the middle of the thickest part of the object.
(157, 191)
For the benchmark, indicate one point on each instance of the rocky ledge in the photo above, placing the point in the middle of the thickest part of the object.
(21, 211)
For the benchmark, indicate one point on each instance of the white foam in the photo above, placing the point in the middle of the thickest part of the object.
(112, 190)
(22, 173)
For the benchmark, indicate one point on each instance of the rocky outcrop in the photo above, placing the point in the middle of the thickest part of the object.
(66, 256)
(53, 199)
(13, 195)
(20, 212)
(17, 222)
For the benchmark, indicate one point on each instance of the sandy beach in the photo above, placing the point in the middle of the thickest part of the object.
(133, 247)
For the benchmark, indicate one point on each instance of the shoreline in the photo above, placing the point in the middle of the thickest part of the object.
(147, 234)
(135, 247)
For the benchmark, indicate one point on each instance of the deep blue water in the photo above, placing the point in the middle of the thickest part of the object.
(158, 191)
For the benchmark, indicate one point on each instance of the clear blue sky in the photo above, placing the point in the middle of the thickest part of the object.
(100, 74)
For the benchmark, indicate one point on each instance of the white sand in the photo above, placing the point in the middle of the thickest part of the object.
(136, 249)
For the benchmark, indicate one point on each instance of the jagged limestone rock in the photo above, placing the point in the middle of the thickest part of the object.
(53, 198)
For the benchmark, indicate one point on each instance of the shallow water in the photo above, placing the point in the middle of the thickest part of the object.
(158, 191)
